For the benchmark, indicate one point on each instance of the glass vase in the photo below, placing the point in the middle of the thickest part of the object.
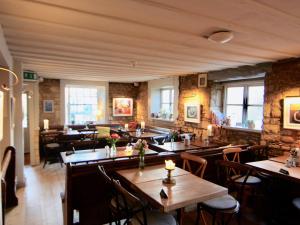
(142, 159)
(113, 149)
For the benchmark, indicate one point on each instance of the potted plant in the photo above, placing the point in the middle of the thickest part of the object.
(112, 140)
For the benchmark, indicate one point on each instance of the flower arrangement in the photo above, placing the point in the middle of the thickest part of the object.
(113, 139)
(141, 145)
(174, 134)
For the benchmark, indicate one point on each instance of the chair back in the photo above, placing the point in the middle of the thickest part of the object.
(201, 162)
(229, 172)
(233, 152)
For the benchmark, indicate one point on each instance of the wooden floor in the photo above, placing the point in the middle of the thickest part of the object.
(40, 204)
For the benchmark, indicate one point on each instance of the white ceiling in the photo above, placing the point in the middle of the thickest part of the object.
(99, 39)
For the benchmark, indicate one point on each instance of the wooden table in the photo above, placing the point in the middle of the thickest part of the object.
(273, 165)
(144, 135)
(100, 154)
(201, 144)
(189, 189)
(173, 147)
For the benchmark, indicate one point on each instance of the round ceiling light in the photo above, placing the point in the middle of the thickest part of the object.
(221, 37)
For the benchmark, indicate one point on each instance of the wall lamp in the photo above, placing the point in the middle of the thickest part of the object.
(4, 86)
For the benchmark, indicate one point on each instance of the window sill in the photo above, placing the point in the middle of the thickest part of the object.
(161, 119)
(242, 129)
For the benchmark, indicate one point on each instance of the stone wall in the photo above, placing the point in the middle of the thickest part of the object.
(142, 102)
(49, 89)
(283, 81)
(190, 93)
(122, 90)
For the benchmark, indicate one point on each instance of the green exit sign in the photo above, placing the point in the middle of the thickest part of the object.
(29, 75)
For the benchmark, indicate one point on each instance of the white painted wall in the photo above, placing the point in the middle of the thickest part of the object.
(5, 60)
(18, 126)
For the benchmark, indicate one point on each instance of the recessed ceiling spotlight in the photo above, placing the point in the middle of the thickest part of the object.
(221, 37)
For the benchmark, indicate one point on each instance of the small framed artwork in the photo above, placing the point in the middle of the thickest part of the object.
(48, 106)
(122, 106)
(202, 80)
(291, 115)
(192, 112)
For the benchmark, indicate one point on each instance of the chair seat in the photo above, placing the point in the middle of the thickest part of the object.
(155, 218)
(52, 145)
(250, 180)
(296, 203)
(225, 202)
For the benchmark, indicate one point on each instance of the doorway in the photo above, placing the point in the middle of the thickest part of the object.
(25, 124)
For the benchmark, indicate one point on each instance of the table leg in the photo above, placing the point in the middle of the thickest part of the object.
(180, 213)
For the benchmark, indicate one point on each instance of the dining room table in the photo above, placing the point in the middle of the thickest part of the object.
(101, 154)
(276, 166)
(173, 147)
(188, 189)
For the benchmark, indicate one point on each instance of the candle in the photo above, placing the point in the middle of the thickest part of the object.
(46, 124)
(128, 150)
(209, 130)
(143, 125)
(170, 165)
(126, 126)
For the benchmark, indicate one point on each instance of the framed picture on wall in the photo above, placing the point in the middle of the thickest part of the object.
(192, 112)
(48, 106)
(202, 80)
(291, 115)
(122, 106)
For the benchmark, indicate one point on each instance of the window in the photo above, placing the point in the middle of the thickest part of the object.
(162, 103)
(244, 104)
(82, 104)
(166, 101)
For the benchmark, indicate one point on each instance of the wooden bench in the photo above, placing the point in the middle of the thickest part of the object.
(8, 185)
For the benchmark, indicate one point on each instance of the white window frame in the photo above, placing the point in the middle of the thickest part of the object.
(171, 100)
(66, 99)
(246, 85)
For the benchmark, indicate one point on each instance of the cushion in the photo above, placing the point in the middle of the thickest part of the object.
(296, 203)
(103, 132)
(222, 203)
(52, 145)
(155, 218)
(250, 180)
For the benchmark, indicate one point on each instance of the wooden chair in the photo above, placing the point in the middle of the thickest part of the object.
(124, 205)
(232, 151)
(51, 147)
(227, 205)
(188, 158)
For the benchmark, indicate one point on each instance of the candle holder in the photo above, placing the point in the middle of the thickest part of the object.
(169, 179)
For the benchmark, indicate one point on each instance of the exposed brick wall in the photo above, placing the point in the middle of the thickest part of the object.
(283, 81)
(49, 89)
(189, 92)
(142, 102)
(122, 90)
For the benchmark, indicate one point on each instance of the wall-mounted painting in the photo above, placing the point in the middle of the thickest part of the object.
(48, 106)
(202, 80)
(122, 106)
(192, 112)
(291, 116)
